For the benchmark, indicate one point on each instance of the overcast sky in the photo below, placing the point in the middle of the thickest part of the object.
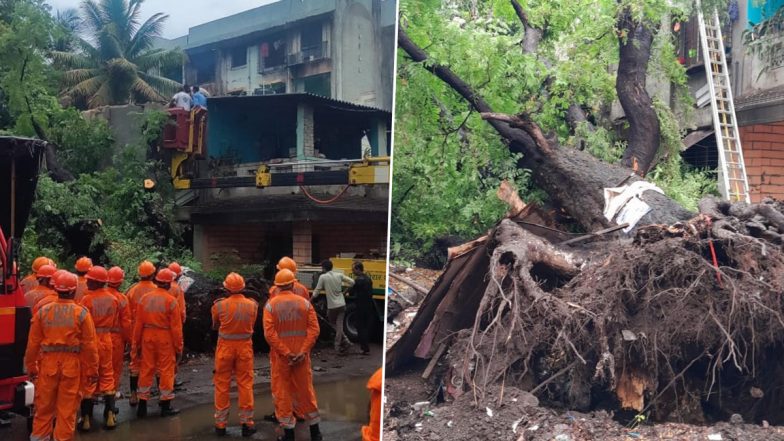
(182, 14)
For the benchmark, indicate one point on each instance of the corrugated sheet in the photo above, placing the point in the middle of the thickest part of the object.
(292, 98)
(766, 97)
(269, 16)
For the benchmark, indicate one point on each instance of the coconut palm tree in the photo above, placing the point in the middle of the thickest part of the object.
(115, 63)
(68, 26)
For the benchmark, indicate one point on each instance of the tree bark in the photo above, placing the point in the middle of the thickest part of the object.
(635, 40)
(574, 180)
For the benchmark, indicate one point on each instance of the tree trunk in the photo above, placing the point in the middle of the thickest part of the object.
(574, 180)
(635, 42)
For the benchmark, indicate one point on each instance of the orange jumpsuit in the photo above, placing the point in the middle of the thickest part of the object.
(157, 332)
(234, 317)
(36, 294)
(81, 289)
(299, 289)
(28, 283)
(134, 295)
(105, 311)
(60, 348)
(372, 432)
(178, 294)
(121, 333)
(51, 298)
(291, 327)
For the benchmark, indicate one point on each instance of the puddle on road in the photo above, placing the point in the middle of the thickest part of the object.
(343, 406)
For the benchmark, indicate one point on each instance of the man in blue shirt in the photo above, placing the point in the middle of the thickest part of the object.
(198, 98)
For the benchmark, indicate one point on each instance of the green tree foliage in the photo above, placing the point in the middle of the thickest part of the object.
(448, 162)
(116, 64)
(766, 40)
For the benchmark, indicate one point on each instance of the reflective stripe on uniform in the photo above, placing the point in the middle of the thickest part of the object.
(268, 307)
(294, 333)
(83, 315)
(40, 438)
(246, 416)
(166, 395)
(288, 423)
(221, 416)
(103, 330)
(235, 336)
(61, 348)
(151, 326)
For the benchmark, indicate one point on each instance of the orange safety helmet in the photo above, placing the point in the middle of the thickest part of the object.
(97, 274)
(115, 275)
(284, 277)
(175, 268)
(287, 263)
(66, 282)
(39, 262)
(234, 282)
(57, 274)
(146, 269)
(83, 264)
(45, 271)
(165, 276)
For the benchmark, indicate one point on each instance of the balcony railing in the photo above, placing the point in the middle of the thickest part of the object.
(310, 54)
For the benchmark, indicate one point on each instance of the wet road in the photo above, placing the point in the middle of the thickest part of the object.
(343, 405)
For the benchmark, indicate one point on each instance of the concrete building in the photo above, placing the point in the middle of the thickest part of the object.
(342, 49)
(759, 102)
(300, 87)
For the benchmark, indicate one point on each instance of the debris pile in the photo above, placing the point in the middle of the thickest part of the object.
(681, 322)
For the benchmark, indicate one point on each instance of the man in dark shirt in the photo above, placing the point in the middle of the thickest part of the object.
(363, 293)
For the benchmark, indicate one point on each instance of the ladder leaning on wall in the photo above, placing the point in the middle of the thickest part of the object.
(733, 183)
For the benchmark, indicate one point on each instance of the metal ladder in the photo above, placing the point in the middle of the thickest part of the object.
(733, 183)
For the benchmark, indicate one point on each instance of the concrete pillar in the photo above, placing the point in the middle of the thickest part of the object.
(200, 252)
(302, 236)
(305, 143)
(378, 138)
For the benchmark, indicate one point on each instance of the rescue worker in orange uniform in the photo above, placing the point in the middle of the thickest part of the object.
(121, 331)
(61, 347)
(372, 432)
(44, 288)
(134, 294)
(105, 311)
(157, 339)
(291, 328)
(31, 281)
(83, 264)
(234, 318)
(298, 289)
(175, 290)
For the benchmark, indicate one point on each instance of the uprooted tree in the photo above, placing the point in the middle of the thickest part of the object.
(682, 318)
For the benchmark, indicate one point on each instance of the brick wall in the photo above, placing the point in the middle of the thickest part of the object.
(303, 245)
(763, 153)
(345, 238)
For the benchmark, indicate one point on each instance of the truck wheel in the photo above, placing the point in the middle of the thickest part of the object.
(350, 323)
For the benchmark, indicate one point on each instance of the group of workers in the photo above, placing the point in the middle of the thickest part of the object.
(82, 323)
(190, 97)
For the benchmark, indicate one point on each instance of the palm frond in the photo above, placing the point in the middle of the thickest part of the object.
(86, 88)
(146, 91)
(143, 38)
(102, 96)
(109, 46)
(72, 60)
(159, 59)
(92, 16)
(68, 19)
(76, 76)
(163, 86)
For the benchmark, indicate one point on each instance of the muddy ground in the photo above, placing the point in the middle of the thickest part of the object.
(414, 409)
(340, 381)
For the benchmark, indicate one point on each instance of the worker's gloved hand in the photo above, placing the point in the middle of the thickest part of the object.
(291, 357)
(298, 357)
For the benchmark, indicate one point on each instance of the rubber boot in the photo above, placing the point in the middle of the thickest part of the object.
(315, 433)
(288, 435)
(134, 396)
(141, 411)
(248, 430)
(109, 413)
(85, 423)
(220, 431)
(167, 409)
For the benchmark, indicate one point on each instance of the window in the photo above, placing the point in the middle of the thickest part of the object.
(272, 52)
(318, 85)
(271, 89)
(239, 56)
(310, 37)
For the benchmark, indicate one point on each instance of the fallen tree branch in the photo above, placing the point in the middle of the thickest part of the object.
(410, 283)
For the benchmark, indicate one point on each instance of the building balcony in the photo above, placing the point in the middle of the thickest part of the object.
(310, 54)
